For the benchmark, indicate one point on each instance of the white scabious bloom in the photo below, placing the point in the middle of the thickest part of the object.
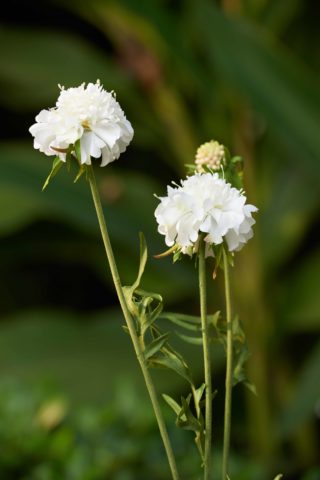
(205, 203)
(86, 113)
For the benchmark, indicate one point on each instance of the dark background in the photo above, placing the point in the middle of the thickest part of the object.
(243, 72)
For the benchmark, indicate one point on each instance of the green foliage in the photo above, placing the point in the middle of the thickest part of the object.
(250, 80)
(56, 165)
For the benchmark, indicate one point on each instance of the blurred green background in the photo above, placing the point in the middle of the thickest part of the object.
(244, 72)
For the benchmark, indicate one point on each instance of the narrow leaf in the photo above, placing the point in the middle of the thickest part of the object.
(191, 422)
(143, 261)
(190, 339)
(56, 165)
(152, 317)
(185, 321)
(155, 346)
(173, 363)
(172, 403)
(81, 171)
(198, 394)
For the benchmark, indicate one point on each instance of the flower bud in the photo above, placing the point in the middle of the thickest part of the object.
(211, 155)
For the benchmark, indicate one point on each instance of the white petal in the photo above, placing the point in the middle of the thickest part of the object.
(108, 132)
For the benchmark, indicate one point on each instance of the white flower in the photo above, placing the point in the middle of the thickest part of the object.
(177, 218)
(205, 203)
(86, 113)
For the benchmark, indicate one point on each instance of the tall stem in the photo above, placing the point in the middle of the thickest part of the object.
(228, 394)
(206, 359)
(130, 325)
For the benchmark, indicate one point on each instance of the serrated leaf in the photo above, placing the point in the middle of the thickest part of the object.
(155, 346)
(172, 403)
(190, 339)
(56, 165)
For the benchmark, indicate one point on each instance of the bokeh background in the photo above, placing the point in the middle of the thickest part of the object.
(244, 72)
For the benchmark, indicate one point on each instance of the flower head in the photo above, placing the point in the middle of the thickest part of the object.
(210, 154)
(205, 203)
(87, 113)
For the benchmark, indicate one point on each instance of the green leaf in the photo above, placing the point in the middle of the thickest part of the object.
(152, 317)
(143, 261)
(82, 170)
(198, 394)
(306, 394)
(155, 346)
(186, 419)
(31, 74)
(278, 477)
(56, 165)
(214, 318)
(172, 403)
(190, 339)
(188, 322)
(172, 361)
(301, 301)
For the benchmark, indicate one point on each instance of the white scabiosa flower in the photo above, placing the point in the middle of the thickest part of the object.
(205, 203)
(87, 113)
(177, 218)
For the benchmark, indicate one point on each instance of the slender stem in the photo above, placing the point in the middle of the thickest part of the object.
(228, 395)
(130, 325)
(206, 359)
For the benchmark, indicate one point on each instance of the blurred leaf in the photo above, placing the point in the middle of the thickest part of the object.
(190, 339)
(127, 198)
(288, 208)
(276, 83)
(305, 396)
(300, 300)
(189, 322)
(31, 74)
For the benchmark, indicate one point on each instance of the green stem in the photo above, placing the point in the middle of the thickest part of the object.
(130, 324)
(206, 359)
(228, 395)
